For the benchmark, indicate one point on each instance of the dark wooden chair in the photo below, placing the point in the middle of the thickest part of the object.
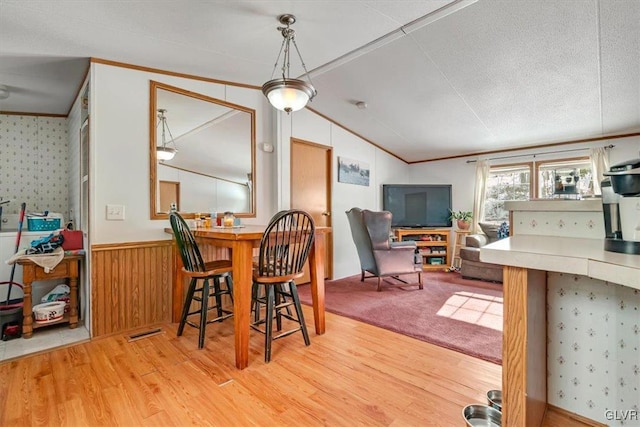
(201, 272)
(284, 249)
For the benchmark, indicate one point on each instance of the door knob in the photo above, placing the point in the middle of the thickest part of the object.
(326, 213)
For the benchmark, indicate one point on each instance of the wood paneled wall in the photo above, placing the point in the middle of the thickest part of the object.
(130, 285)
(210, 252)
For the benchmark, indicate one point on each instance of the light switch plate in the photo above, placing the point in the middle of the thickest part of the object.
(115, 212)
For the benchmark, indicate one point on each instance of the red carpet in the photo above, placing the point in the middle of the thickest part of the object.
(462, 315)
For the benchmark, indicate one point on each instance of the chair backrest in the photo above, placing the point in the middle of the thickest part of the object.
(378, 225)
(361, 238)
(187, 246)
(285, 244)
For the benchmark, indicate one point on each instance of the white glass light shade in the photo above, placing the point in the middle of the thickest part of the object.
(288, 94)
(165, 153)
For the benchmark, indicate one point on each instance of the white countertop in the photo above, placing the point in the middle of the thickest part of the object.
(582, 256)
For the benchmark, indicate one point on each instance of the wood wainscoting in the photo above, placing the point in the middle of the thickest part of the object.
(130, 285)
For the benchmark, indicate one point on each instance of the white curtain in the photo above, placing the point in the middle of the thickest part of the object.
(599, 164)
(480, 192)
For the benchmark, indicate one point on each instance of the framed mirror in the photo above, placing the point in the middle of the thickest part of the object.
(213, 166)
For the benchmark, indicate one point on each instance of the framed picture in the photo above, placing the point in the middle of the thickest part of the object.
(353, 171)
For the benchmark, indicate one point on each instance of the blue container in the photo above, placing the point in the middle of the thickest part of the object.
(35, 223)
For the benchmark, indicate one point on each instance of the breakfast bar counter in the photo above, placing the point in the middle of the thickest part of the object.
(572, 255)
(531, 263)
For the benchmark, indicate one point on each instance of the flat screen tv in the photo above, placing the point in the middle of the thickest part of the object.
(417, 205)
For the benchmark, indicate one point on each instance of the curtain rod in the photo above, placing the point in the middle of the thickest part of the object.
(606, 147)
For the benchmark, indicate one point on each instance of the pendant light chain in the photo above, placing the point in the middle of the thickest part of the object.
(304, 67)
(161, 122)
(285, 61)
(288, 34)
(275, 66)
(164, 151)
(165, 127)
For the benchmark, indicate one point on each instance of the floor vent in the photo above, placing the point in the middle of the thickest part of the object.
(145, 334)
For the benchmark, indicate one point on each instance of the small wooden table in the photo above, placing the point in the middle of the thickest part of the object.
(68, 269)
(458, 243)
(241, 241)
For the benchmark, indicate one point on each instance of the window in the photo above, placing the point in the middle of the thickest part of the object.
(553, 179)
(506, 182)
(565, 178)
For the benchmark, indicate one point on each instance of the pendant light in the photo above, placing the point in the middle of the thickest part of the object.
(164, 151)
(287, 94)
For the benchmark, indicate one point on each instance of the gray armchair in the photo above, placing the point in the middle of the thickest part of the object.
(378, 255)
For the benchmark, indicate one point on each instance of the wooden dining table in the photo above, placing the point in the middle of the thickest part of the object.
(241, 241)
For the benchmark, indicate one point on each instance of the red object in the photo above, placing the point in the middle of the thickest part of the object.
(72, 239)
(12, 330)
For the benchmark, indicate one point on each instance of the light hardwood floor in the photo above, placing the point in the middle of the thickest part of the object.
(355, 374)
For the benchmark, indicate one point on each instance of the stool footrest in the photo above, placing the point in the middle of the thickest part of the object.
(286, 333)
(277, 304)
(217, 319)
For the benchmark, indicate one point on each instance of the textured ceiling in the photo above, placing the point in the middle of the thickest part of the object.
(468, 77)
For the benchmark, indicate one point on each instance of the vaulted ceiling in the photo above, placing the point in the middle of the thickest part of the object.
(439, 77)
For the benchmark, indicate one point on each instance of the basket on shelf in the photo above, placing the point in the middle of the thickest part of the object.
(49, 312)
(40, 223)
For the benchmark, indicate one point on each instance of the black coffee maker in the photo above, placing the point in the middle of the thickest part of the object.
(621, 207)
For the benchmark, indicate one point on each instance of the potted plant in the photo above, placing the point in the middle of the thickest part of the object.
(463, 219)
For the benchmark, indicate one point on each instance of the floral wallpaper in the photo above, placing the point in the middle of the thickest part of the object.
(34, 163)
(563, 224)
(593, 349)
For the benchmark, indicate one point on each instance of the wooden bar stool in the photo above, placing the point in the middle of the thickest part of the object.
(201, 272)
(284, 249)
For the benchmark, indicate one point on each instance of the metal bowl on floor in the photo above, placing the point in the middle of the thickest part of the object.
(482, 416)
(494, 397)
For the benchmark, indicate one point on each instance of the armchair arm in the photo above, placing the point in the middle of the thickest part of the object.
(417, 258)
(476, 240)
(403, 244)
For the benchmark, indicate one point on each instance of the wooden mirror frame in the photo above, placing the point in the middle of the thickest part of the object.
(153, 160)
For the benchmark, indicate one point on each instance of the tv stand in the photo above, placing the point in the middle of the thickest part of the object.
(433, 245)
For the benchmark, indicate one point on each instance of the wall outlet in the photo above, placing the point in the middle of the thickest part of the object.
(115, 212)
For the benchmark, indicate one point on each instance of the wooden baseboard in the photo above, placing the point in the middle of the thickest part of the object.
(560, 417)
